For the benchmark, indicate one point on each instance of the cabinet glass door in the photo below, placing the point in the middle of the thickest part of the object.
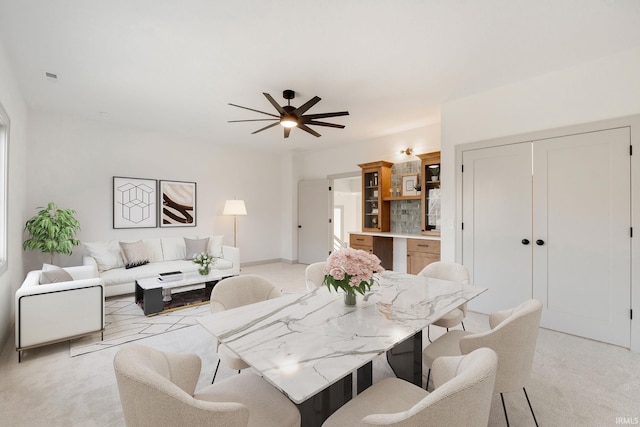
(371, 200)
(432, 197)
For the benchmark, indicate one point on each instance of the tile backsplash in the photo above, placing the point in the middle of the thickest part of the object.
(400, 169)
(405, 214)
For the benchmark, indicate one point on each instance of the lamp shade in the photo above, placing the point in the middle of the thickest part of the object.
(234, 207)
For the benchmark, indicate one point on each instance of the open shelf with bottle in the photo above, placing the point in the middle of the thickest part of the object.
(376, 180)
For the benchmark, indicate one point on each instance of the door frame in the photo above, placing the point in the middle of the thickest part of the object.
(630, 121)
(332, 178)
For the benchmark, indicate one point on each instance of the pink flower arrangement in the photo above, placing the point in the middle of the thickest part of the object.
(352, 270)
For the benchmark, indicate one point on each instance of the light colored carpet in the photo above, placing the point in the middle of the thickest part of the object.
(575, 382)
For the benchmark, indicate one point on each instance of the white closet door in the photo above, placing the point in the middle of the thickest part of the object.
(582, 208)
(496, 214)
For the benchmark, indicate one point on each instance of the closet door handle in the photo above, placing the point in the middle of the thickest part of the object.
(539, 242)
(525, 241)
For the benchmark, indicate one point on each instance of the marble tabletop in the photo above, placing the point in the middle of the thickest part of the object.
(303, 343)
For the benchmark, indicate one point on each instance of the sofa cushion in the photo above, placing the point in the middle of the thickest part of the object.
(195, 247)
(134, 254)
(215, 245)
(173, 248)
(154, 249)
(106, 254)
(54, 274)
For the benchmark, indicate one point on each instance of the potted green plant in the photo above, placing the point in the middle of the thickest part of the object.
(52, 231)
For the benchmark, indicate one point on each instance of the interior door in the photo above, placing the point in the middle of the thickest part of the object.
(582, 225)
(313, 221)
(496, 214)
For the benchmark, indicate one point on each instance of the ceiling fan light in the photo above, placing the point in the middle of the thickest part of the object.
(289, 122)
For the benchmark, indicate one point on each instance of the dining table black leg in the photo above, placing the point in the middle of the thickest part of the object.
(365, 377)
(315, 410)
(405, 359)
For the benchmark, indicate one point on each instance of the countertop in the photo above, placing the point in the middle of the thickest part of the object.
(396, 235)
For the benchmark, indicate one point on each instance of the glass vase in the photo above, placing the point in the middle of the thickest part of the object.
(349, 298)
(203, 271)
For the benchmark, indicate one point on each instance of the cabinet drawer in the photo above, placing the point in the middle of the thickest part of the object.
(420, 245)
(360, 240)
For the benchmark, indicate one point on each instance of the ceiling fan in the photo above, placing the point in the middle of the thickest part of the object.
(290, 117)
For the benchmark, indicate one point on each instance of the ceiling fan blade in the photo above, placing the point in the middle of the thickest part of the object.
(274, 103)
(251, 109)
(266, 127)
(325, 115)
(286, 132)
(250, 120)
(308, 129)
(304, 107)
(331, 125)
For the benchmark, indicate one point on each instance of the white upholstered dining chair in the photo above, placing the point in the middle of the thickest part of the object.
(513, 336)
(462, 397)
(235, 292)
(158, 389)
(453, 272)
(314, 275)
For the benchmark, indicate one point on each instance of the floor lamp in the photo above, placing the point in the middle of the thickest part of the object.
(235, 208)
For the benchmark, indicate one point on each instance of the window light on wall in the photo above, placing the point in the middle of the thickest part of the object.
(4, 175)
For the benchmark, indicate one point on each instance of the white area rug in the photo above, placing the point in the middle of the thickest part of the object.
(125, 322)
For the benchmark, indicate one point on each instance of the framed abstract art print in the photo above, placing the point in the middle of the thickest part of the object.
(177, 204)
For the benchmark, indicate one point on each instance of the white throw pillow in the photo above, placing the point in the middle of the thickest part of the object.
(173, 248)
(54, 274)
(215, 245)
(106, 254)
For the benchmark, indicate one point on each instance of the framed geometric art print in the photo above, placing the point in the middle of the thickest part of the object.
(178, 204)
(134, 202)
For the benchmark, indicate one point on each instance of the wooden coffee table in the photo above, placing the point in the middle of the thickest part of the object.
(150, 291)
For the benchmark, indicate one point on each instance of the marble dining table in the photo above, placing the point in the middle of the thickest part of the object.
(308, 344)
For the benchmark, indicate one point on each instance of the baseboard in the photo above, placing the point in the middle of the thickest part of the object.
(267, 261)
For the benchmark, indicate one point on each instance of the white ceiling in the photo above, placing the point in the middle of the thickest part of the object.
(170, 65)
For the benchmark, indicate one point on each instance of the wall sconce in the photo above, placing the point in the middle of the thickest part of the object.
(407, 151)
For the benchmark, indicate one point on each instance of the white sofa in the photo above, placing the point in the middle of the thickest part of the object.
(55, 312)
(164, 254)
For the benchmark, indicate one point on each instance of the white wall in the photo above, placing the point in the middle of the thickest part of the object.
(342, 159)
(72, 162)
(593, 91)
(14, 105)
